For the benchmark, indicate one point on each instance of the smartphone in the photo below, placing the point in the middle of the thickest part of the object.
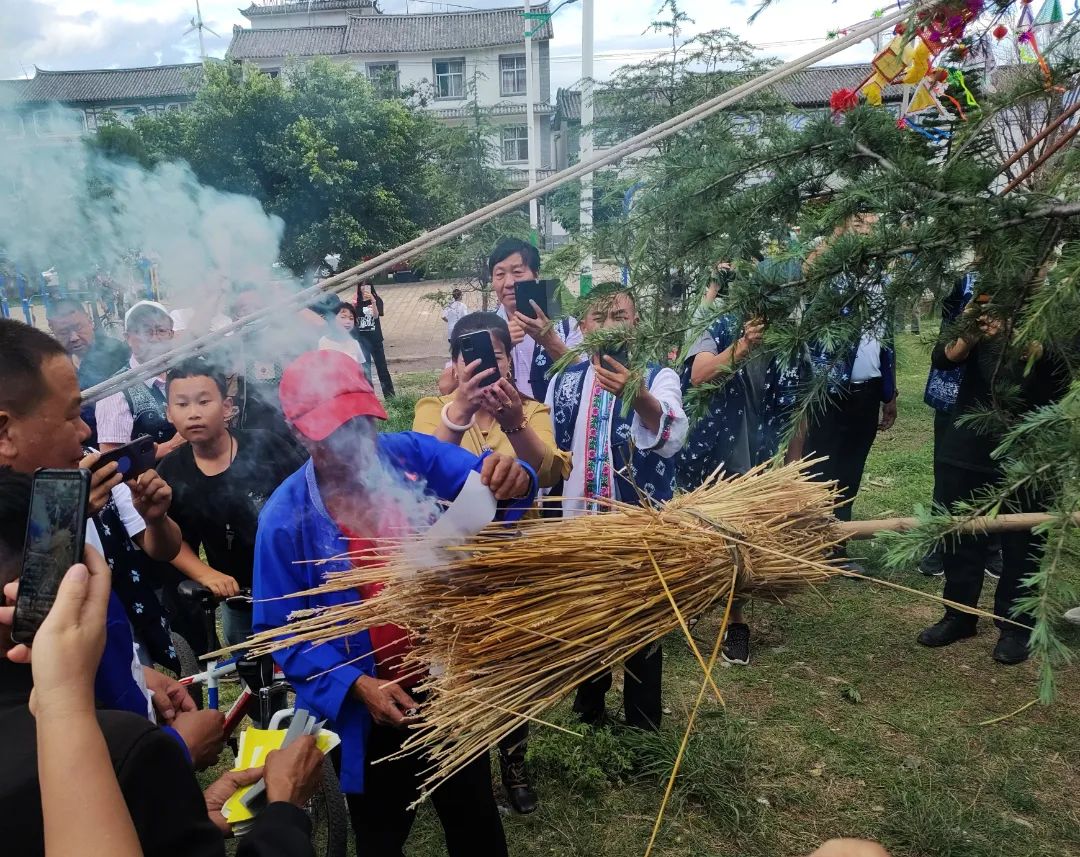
(55, 534)
(477, 346)
(543, 292)
(619, 354)
(132, 459)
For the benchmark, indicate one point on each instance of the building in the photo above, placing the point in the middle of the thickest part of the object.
(450, 60)
(53, 106)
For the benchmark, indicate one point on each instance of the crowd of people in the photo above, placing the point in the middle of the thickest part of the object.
(269, 457)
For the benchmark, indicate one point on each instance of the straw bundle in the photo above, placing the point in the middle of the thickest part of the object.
(510, 623)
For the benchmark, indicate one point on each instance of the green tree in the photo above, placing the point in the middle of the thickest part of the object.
(741, 191)
(346, 170)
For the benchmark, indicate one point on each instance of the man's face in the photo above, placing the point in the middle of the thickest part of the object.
(52, 433)
(510, 270)
(151, 340)
(74, 331)
(618, 311)
(197, 408)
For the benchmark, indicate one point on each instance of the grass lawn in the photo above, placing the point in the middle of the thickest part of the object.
(842, 724)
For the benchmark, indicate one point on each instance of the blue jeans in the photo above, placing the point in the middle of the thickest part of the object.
(235, 624)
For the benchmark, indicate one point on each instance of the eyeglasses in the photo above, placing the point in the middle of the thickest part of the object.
(154, 333)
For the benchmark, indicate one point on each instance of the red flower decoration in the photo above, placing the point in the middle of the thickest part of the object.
(901, 123)
(900, 29)
(844, 100)
(1000, 32)
(1027, 37)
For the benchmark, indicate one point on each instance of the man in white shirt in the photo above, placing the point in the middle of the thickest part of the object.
(455, 312)
(538, 342)
(140, 409)
(623, 458)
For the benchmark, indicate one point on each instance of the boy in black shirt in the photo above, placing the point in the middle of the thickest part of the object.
(220, 481)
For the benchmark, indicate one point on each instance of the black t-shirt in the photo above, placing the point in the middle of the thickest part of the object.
(970, 447)
(221, 513)
(369, 328)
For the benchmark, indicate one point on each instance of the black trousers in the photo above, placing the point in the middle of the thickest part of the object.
(964, 557)
(516, 741)
(845, 431)
(378, 357)
(941, 492)
(465, 803)
(642, 679)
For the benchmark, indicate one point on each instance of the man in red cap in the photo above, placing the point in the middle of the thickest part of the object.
(360, 485)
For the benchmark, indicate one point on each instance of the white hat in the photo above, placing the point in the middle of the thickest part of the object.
(137, 304)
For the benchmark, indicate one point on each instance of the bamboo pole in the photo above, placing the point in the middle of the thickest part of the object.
(998, 524)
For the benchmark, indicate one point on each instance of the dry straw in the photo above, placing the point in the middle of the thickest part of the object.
(505, 626)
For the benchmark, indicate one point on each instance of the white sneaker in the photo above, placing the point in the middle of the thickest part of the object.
(1073, 615)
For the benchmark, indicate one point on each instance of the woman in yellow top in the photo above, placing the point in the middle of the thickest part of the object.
(480, 415)
(493, 416)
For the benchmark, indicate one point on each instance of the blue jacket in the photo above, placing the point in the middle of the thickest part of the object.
(294, 525)
(115, 687)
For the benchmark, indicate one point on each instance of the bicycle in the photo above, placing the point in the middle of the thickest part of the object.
(264, 698)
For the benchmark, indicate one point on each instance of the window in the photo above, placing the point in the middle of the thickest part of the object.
(58, 122)
(515, 144)
(11, 126)
(450, 78)
(384, 77)
(512, 75)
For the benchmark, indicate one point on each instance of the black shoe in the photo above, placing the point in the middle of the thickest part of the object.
(948, 631)
(737, 644)
(1011, 649)
(993, 565)
(515, 777)
(931, 565)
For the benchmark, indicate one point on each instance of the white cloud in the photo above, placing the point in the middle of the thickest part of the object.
(63, 34)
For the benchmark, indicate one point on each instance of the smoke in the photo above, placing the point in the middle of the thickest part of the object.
(70, 208)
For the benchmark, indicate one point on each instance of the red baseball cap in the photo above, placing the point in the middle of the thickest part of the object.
(322, 390)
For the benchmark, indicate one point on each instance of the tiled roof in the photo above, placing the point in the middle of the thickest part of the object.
(286, 42)
(808, 88)
(302, 6)
(110, 84)
(441, 32)
(812, 87)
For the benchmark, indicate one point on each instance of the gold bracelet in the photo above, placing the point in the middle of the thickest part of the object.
(522, 427)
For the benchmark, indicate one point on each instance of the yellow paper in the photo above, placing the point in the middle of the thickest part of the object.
(889, 64)
(253, 748)
(922, 100)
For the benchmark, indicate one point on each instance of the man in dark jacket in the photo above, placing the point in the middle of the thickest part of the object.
(95, 355)
(965, 466)
(170, 814)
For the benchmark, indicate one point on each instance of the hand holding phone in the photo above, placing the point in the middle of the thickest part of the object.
(477, 346)
(132, 459)
(55, 533)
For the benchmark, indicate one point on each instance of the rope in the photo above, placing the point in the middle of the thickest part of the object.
(442, 234)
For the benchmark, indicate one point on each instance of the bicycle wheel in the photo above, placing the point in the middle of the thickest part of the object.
(329, 816)
(189, 665)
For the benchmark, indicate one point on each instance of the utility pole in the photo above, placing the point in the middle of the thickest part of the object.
(530, 97)
(586, 136)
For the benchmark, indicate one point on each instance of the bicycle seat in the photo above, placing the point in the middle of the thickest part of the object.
(192, 590)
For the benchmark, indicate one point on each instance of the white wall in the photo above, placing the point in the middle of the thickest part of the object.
(414, 69)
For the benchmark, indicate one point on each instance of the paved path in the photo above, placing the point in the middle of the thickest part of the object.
(414, 333)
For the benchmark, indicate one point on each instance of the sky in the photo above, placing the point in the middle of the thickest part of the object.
(81, 34)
